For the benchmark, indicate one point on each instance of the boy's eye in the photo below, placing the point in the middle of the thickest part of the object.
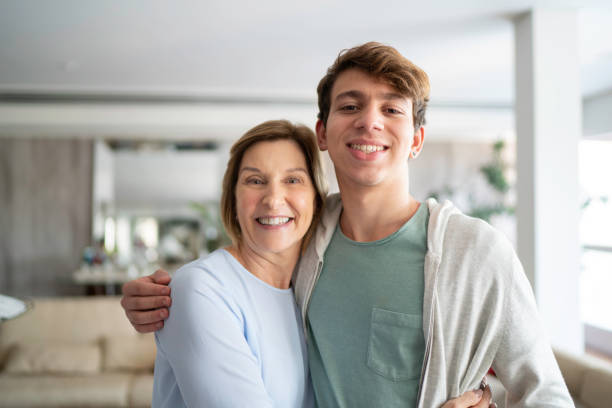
(349, 108)
(393, 110)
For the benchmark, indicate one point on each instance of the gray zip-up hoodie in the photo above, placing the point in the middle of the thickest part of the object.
(478, 311)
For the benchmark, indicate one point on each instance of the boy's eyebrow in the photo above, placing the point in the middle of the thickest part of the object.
(350, 94)
(358, 94)
(393, 95)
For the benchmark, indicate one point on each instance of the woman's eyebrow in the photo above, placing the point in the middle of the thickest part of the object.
(256, 170)
(297, 169)
(247, 168)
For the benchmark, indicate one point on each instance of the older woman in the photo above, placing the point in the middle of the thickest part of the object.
(234, 337)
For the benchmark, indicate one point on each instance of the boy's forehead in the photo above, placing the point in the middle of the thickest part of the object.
(353, 81)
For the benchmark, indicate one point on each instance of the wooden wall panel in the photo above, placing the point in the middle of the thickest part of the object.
(45, 214)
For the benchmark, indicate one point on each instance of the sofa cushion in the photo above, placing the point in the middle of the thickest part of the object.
(596, 387)
(141, 392)
(133, 353)
(573, 368)
(83, 358)
(71, 319)
(103, 390)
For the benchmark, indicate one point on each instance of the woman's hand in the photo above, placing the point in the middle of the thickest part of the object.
(472, 399)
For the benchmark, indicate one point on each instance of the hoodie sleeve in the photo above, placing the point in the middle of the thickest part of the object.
(483, 313)
(524, 362)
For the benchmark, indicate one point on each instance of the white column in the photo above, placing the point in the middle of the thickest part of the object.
(548, 127)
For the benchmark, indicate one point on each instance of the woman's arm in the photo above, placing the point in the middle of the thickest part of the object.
(205, 345)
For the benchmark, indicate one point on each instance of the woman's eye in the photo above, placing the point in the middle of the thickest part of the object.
(254, 181)
(349, 108)
(294, 180)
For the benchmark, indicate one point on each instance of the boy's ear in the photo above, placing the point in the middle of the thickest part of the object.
(321, 135)
(417, 142)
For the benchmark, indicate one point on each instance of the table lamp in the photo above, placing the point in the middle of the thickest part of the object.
(11, 307)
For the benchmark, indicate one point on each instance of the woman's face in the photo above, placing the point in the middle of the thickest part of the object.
(274, 197)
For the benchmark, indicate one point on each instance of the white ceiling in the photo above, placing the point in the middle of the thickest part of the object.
(273, 49)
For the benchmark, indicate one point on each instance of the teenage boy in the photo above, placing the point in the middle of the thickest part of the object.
(404, 303)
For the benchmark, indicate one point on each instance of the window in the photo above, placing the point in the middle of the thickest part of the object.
(596, 239)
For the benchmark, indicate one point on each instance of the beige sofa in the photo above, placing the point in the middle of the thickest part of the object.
(588, 379)
(82, 352)
(75, 352)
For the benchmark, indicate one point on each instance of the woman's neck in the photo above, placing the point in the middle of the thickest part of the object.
(275, 269)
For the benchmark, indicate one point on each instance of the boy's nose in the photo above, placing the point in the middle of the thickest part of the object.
(370, 119)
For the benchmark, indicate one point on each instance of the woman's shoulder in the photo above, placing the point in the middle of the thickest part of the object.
(203, 297)
(209, 282)
(213, 270)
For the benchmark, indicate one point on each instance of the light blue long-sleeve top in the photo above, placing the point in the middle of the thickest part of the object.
(231, 340)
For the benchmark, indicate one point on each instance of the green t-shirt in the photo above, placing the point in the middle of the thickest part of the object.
(365, 331)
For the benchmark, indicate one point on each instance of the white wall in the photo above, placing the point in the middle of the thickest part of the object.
(150, 179)
(597, 116)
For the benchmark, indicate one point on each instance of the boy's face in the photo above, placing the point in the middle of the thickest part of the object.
(369, 132)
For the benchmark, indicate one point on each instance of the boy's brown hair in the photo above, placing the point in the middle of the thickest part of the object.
(384, 63)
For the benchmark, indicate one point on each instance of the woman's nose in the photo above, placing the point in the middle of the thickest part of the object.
(274, 196)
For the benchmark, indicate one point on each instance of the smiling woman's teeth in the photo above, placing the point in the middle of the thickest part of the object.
(367, 148)
(273, 220)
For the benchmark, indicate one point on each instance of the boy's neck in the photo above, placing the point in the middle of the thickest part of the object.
(373, 213)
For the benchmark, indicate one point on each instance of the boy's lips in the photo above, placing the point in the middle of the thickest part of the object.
(367, 148)
(364, 150)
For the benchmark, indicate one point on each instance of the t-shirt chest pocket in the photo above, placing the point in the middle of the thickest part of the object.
(396, 344)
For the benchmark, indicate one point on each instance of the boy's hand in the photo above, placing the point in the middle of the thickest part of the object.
(146, 301)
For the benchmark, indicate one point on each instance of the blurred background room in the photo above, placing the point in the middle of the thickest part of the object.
(116, 119)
